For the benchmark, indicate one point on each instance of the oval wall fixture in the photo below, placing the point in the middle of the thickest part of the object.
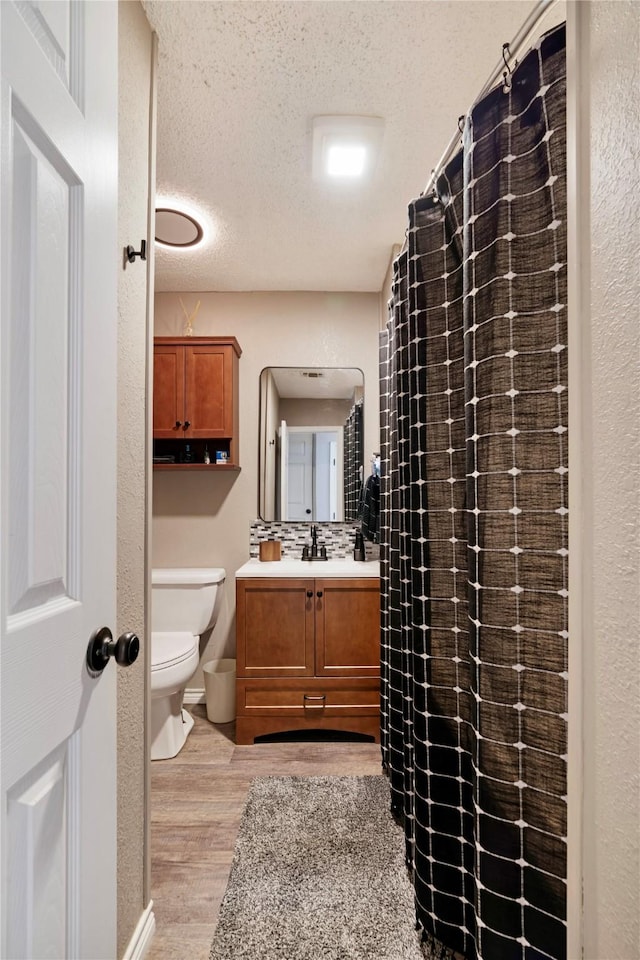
(176, 229)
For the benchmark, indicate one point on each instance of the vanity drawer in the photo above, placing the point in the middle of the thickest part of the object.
(299, 698)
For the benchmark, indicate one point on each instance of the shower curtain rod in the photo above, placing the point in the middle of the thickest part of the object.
(521, 37)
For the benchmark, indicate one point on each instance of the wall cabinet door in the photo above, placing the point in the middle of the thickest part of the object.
(347, 640)
(168, 392)
(209, 391)
(275, 628)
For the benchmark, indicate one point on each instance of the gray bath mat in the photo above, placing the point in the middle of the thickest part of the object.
(318, 872)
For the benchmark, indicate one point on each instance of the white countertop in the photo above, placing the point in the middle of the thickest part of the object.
(292, 567)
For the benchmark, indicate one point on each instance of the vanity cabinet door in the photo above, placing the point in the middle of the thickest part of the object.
(347, 628)
(274, 627)
(168, 392)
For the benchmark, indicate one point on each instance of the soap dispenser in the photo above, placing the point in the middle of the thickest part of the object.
(358, 549)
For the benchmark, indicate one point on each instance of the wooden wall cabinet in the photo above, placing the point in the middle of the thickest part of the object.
(195, 398)
(308, 655)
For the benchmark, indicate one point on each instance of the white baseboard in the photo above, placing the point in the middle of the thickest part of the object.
(194, 695)
(142, 935)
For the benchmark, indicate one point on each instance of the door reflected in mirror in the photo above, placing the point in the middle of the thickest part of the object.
(311, 443)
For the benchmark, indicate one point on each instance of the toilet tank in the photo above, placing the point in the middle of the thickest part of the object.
(185, 598)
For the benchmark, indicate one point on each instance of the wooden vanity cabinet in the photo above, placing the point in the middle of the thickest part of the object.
(195, 394)
(308, 655)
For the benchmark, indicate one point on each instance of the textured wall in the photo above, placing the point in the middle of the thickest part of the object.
(612, 678)
(318, 413)
(201, 519)
(134, 84)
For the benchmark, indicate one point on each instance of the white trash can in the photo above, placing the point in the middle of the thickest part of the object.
(220, 690)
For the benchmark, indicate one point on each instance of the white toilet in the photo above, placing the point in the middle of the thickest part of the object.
(184, 603)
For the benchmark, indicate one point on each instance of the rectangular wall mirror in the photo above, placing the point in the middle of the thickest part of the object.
(311, 443)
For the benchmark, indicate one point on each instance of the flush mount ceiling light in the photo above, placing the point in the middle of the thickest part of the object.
(346, 161)
(176, 229)
(345, 148)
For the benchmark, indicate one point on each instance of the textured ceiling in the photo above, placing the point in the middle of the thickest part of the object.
(238, 86)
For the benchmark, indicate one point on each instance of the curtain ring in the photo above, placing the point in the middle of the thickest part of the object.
(506, 75)
(434, 192)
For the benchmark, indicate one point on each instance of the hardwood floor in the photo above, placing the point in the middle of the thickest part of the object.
(196, 804)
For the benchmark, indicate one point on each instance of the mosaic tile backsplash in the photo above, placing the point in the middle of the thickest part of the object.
(338, 538)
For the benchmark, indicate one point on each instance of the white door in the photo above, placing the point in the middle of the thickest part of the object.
(299, 475)
(57, 475)
(324, 491)
(333, 480)
(284, 447)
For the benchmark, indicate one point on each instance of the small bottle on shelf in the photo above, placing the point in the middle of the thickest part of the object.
(207, 458)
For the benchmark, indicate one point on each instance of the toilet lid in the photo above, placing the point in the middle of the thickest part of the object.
(170, 648)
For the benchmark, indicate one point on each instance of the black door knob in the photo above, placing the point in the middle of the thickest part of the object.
(309, 594)
(186, 424)
(102, 647)
(308, 510)
(319, 594)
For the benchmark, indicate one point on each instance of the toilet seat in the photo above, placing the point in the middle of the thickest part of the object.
(170, 649)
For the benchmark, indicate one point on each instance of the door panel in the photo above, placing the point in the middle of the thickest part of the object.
(38, 806)
(42, 505)
(58, 206)
(347, 628)
(57, 29)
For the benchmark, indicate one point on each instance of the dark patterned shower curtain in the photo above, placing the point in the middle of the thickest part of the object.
(353, 458)
(474, 529)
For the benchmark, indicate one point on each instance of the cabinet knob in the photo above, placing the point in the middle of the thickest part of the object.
(187, 424)
(309, 594)
(178, 424)
(319, 594)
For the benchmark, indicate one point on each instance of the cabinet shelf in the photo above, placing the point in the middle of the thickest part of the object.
(211, 467)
